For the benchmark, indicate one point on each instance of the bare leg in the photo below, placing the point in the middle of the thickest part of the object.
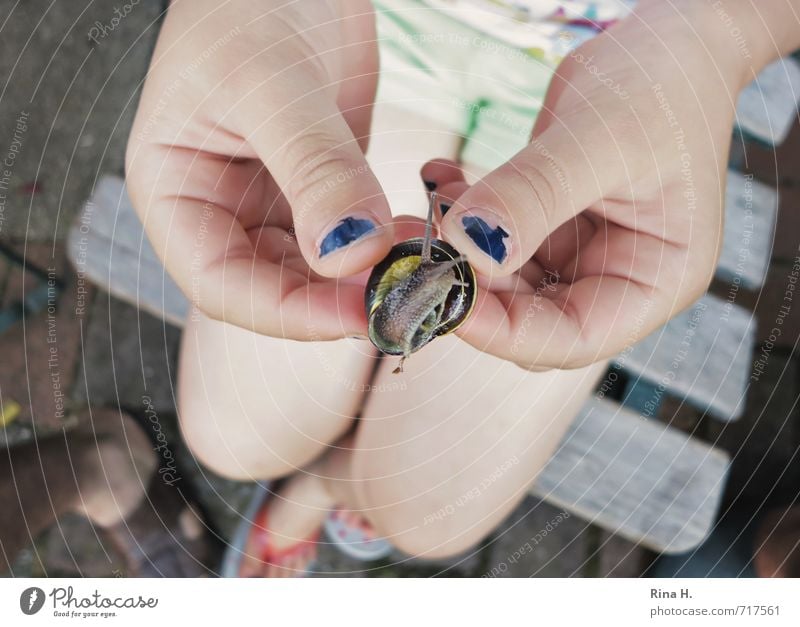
(254, 407)
(442, 463)
(444, 451)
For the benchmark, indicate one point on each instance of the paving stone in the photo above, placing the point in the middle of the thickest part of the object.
(764, 443)
(26, 564)
(17, 284)
(41, 255)
(620, 558)
(778, 308)
(776, 305)
(471, 563)
(127, 355)
(679, 414)
(68, 113)
(770, 164)
(73, 547)
(786, 245)
(539, 540)
(223, 500)
(333, 563)
(5, 270)
(40, 352)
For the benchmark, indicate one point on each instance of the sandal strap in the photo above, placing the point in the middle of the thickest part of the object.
(266, 552)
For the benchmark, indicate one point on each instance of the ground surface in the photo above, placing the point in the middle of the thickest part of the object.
(109, 354)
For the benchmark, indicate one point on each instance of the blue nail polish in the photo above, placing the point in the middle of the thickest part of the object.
(445, 207)
(345, 233)
(489, 240)
(430, 185)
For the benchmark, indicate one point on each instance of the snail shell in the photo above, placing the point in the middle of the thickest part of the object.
(410, 301)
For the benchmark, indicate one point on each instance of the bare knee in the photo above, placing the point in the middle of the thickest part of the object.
(239, 463)
(243, 453)
(425, 528)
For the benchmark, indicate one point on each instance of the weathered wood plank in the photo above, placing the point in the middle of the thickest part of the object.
(647, 482)
(767, 107)
(704, 355)
(750, 212)
(108, 246)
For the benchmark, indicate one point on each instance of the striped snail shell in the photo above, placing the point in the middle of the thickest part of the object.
(422, 289)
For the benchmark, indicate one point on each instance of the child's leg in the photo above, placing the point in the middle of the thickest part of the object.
(446, 450)
(441, 463)
(254, 407)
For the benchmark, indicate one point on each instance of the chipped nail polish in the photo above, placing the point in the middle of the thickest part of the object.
(491, 240)
(444, 207)
(430, 185)
(345, 233)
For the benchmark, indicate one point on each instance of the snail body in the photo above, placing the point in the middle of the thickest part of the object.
(422, 289)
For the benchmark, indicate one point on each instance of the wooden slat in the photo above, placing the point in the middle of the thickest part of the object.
(767, 107)
(750, 211)
(107, 244)
(650, 483)
(703, 355)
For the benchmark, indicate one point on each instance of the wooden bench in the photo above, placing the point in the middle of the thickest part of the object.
(649, 483)
(107, 245)
(767, 107)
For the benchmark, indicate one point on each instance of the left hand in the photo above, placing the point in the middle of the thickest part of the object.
(610, 221)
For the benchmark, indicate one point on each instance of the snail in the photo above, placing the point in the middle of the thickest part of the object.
(422, 289)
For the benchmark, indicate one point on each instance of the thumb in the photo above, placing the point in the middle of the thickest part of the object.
(341, 217)
(500, 222)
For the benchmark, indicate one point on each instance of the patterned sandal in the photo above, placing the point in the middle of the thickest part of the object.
(255, 521)
(352, 534)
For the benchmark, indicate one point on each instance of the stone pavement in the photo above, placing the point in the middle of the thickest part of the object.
(77, 97)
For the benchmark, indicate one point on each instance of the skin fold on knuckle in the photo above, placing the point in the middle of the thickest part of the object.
(317, 171)
(538, 191)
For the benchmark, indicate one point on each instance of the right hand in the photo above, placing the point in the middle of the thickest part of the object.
(246, 163)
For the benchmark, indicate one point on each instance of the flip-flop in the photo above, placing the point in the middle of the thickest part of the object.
(358, 541)
(254, 520)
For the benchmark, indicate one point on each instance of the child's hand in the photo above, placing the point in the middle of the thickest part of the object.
(246, 162)
(619, 196)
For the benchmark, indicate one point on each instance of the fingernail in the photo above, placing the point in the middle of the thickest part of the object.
(485, 231)
(346, 231)
(430, 185)
(445, 207)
